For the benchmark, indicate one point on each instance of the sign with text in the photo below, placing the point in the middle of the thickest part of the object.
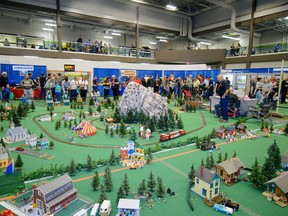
(23, 68)
(69, 68)
(128, 73)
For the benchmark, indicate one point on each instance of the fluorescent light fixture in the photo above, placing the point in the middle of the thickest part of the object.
(138, 1)
(163, 40)
(232, 38)
(115, 33)
(108, 37)
(171, 7)
(47, 29)
(116, 30)
(286, 17)
(144, 63)
(50, 24)
(205, 43)
(49, 21)
(77, 59)
(115, 62)
(161, 37)
(31, 57)
(151, 42)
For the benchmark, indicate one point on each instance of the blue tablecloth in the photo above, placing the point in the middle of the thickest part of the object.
(101, 88)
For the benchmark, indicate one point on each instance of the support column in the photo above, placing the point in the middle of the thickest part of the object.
(251, 35)
(137, 33)
(59, 25)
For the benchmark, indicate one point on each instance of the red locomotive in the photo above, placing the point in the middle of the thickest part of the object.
(172, 135)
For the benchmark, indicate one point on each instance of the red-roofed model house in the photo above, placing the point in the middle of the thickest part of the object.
(54, 195)
(221, 133)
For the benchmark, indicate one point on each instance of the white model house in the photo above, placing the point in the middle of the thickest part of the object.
(31, 140)
(16, 134)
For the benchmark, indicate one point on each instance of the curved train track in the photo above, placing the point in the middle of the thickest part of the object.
(105, 146)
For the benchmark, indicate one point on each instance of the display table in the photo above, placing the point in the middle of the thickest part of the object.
(18, 92)
(101, 88)
(244, 104)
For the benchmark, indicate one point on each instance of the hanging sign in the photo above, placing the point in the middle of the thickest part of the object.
(23, 68)
(69, 68)
(128, 73)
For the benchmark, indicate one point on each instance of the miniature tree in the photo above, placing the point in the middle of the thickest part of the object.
(103, 195)
(117, 129)
(125, 185)
(56, 125)
(70, 124)
(20, 109)
(198, 144)
(95, 181)
(268, 170)
(3, 143)
(266, 125)
(51, 114)
(225, 156)
(89, 164)
(106, 129)
(19, 163)
(120, 194)
(191, 174)
(194, 108)
(212, 161)
(91, 102)
(71, 107)
(122, 129)
(202, 162)
(166, 122)
(180, 124)
(274, 155)
(41, 136)
(160, 188)
(80, 114)
(15, 119)
(271, 127)
(111, 132)
(151, 183)
(99, 109)
(213, 133)
(160, 123)
(219, 160)
(1, 128)
(234, 155)
(51, 144)
(65, 124)
(152, 125)
(207, 163)
(142, 189)
(112, 159)
(33, 106)
(286, 129)
(108, 179)
(72, 168)
(90, 110)
(75, 121)
(133, 135)
(256, 176)
(149, 155)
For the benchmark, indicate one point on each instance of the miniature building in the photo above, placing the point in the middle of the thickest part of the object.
(231, 130)
(16, 134)
(123, 153)
(54, 195)
(230, 169)
(31, 140)
(221, 133)
(241, 128)
(69, 116)
(129, 207)
(279, 188)
(49, 99)
(132, 156)
(42, 143)
(45, 118)
(207, 183)
(3, 157)
(284, 161)
(85, 128)
(66, 99)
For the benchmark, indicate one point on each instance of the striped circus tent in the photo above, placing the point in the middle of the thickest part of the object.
(86, 129)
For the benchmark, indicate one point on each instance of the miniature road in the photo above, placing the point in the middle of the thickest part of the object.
(33, 154)
(105, 146)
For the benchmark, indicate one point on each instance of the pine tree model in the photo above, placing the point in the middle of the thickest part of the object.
(125, 185)
(122, 129)
(108, 179)
(112, 159)
(111, 132)
(191, 174)
(160, 188)
(51, 144)
(142, 189)
(256, 176)
(103, 195)
(120, 193)
(89, 164)
(19, 163)
(106, 129)
(95, 181)
(72, 168)
(151, 183)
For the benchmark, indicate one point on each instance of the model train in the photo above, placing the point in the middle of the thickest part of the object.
(172, 135)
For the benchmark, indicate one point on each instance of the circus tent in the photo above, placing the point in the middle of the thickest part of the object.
(86, 129)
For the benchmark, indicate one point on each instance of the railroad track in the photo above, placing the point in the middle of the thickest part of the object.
(105, 146)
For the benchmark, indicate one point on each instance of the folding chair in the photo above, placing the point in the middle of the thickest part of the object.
(233, 109)
(263, 111)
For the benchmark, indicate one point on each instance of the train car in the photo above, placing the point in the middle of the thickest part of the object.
(172, 135)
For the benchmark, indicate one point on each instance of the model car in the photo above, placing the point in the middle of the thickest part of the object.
(19, 148)
(223, 209)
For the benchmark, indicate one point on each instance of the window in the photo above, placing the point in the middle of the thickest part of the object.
(210, 193)
(197, 180)
(216, 191)
(211, 185)
(204, 192)
(216, 182)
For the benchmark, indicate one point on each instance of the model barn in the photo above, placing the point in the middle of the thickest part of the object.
(55, 195)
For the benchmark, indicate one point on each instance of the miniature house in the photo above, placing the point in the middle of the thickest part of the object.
(207, 183)
(129, 207)
(66, 99)
(31, 140)
(221, 133)
(42, 143)
(241, 128)
(132, 156)
(55, 195)
(3, 157)
(279, 189)
(69, 116)
(231, 130)
(284, 161)
(16, 134)
(45, 118)
(230, 169)
(49, 99)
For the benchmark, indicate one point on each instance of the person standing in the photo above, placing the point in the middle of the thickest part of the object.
(4, 85)
(115, 87)
(80, 43)
(73, 89)
(284, 89)
(259, 89)
(83, 85)
(150, 84)
(27, 84)
(106, 84)
(222, 90)
(42, 81)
